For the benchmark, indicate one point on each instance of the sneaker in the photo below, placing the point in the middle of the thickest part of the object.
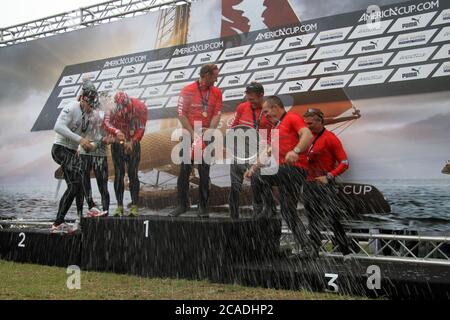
(134, 211)
(118, 212)
(61, 228)
(95, 212)
(177, 211)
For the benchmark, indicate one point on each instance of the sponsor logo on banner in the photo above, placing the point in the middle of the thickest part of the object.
(233, 94)
(69, 80)
(332, 66)
(287, 31)
(131, 70)
(368, 30)
(156, 103)
(65, 102)
(374, 61)
(444, 17)
(297, 86)
(296, 42)
(412, 39)
(109, 85)
(125, 60)
(399, 11)
(235, 80)
(135, 93)
(131, 82)
(332, 82)
(68, 91)
(234, 53)
(413, 73)
(172, 103)
(271, 89)
(332, 35)
(155, 78)
(297, 56)
(412, 56)
(297, 71)
(155, 91)
(264, 47)
(109, 73)
(443, 70)
(371, 77)
(265, 76)
(207, 57)
(180, 75)
(154, 66)
(177, 87)
(198, 47)
(443, 53)
(372, 45)
(91, 76)
(265, 62)
(412, 22)
(234, 66)
(443, 35)
(333, 51)
(180, 62)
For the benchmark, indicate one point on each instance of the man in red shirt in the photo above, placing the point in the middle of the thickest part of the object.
(326, 160)
(127, 124)
(199, 103)
(249, 114)
(294, 140)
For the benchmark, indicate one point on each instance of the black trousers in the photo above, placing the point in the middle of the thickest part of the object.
(100, 167)
(71, 166)
(290, 181)
(132, 161)
(323, 209)
(237, 177)
(183, 184)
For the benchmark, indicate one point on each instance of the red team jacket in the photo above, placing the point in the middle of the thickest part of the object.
(190, 104)
(130, 121)
(327, 156)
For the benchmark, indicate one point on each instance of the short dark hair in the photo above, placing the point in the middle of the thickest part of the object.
(207, 68)
(255, 87)
(274, 100)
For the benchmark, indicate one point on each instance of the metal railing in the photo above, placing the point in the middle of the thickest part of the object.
(101, 13)
(386, 247)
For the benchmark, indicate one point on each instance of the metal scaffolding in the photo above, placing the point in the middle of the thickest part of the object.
(82, 18)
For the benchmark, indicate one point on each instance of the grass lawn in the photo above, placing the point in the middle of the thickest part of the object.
(28, 281)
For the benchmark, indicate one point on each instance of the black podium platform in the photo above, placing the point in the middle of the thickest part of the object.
(176, 247)
(243, 251)
(40, 247)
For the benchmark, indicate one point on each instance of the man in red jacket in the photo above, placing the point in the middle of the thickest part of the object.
(127, 124)
(199, 103)
(249, 114)
(294, 139)
(326, 160)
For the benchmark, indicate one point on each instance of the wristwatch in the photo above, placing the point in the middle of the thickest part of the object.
(297, 150)
(330, 177)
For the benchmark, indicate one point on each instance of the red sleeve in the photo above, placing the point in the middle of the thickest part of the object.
(141, 120)
(339, 154)
(107, 124)
(183, 103)
(296, 122)
(219, 105)
(237, 116)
